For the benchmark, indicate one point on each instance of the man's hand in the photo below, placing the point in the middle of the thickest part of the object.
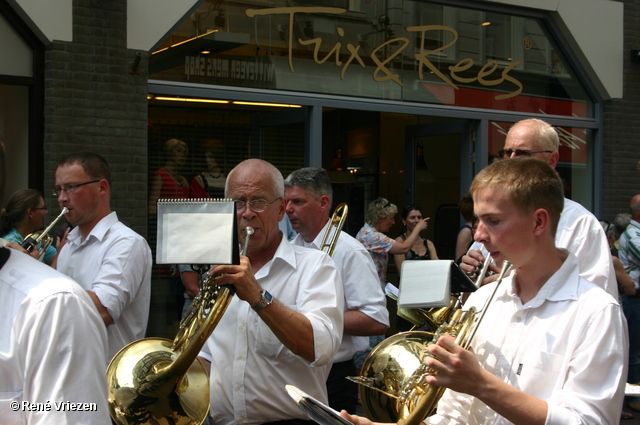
(35, 253)
(456, 368)
(355, 419)
(241, 277)
(475, 260)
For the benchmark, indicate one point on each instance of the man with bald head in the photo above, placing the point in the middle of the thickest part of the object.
(629, 254)
(578, 230)
(285, 324)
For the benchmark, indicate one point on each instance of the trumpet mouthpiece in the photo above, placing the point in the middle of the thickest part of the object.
(249, 230)
(64, 210)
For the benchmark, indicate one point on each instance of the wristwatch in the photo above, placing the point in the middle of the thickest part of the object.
(265, 299)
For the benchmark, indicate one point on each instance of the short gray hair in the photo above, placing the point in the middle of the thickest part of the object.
(378, 209)
(547, 136)
(259, 164)
(621, 222)
(315, 181)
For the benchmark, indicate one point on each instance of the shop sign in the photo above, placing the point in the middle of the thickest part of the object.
(489, 75)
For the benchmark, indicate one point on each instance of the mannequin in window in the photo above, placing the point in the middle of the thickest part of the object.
(210, 183)
(166, 183)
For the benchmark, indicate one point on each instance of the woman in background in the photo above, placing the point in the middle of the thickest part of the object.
(166, 183)
(24, 214)
(422, 249)
(465, 233)
(210, 183)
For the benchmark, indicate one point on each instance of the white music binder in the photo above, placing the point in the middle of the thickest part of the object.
(425, 283)
(197, 231)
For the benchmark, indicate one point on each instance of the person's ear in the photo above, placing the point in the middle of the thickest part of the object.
(554, 158)
(542, 221)
(325, 203)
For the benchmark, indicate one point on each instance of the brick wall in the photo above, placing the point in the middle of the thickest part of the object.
(622, 126)
(92, 102)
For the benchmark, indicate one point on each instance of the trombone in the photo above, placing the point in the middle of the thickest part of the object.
(338, 219)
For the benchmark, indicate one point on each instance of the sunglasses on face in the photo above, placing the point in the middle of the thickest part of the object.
(507, 153)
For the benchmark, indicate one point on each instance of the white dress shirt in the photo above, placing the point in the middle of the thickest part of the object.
(250, 366)
(52, 347)
(566, 346)
(115, 263)
(362, 290)
(581, 234)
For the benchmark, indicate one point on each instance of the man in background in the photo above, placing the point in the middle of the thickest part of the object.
(309, 199)
(579, 231)
(629, 254)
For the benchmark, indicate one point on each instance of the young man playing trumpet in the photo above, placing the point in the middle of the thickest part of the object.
(552, 346)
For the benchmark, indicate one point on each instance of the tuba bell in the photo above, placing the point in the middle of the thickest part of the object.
(392, 378)
(156, 380)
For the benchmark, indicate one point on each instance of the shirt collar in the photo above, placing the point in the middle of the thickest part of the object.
(285, 253)
(561, 286)
(98, 231)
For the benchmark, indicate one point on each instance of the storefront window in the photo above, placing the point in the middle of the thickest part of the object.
(16, 60)
(398, 50)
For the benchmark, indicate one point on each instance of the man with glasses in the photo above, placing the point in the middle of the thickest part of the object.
(108, 259)
(285, 324)
(578, 230)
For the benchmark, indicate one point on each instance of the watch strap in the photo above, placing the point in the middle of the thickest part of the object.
(265, 299)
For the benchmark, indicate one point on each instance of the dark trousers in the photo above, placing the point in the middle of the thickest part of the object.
(343, 393)
(291, 422)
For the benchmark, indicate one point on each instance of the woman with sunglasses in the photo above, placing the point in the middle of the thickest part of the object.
(24, 214)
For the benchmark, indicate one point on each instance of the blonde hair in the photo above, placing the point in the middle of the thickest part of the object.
(379, 209)
(530, 183)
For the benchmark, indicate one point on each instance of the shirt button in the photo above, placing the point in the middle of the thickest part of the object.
(518, 319)
(238, 387)
(242, 327)
(240, 357)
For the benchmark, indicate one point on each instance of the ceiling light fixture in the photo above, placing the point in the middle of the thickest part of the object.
(282, 105)
(189, 99)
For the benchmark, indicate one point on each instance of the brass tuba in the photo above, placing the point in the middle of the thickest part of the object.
(33, 239)
(155, 380)
(392, 378)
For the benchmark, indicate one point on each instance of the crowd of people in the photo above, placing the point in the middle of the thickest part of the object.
(554, 346)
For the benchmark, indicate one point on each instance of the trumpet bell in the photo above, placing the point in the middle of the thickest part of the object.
(386, 370)
(136, 396)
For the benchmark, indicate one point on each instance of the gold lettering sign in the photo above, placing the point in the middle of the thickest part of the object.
(485, 76)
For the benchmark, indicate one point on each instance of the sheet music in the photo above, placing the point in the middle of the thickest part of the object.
(196, 231)
(425, 283)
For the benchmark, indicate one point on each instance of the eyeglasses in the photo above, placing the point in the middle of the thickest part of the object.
(70, 188)
(258, 205)
(506, 153)
(40, 208)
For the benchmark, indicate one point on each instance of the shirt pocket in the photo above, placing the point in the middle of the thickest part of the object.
(539, 373)
(11, 407)
(268, 344)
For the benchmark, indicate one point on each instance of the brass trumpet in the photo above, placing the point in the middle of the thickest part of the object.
(156, 380)
(33, 239)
